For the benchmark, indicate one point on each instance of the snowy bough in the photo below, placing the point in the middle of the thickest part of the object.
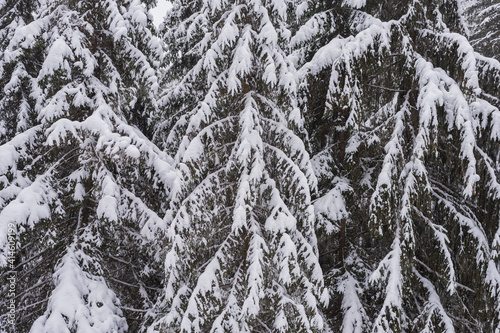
(14, 76)
(243, 254)
(406, 154)
(301, 166)
(78, 179)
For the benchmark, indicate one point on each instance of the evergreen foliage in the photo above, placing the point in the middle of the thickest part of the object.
(80, 182)
(242, 248)
(484, 18)
(251, 166)
(15, 70)
(406, 153)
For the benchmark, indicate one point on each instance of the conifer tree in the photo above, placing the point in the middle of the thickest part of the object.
(483, 18)
(317, 166)
(15, 79)
(12, 15)
(404, 121)
(242, 253)
(83, 186)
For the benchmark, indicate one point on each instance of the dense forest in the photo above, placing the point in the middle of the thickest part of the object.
(250, 166)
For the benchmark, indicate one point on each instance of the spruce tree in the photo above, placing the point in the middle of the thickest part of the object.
(82, 185)
(15, 71)
(483, 18)
(242, 253)
(404, 121)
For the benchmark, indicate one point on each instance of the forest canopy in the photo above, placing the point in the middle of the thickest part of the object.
(250, 166)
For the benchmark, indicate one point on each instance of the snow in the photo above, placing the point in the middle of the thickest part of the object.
(255, 258)
(80, 300)
(331, 207)
(325, 56)
(434, 307)
(117, 23)
(438, 89)
(475, 229)
(389, 269)
(242, 183)
(79, 192)
(9, 159)
(443, 240)
(24, 36)
(242, 61)
(207, 284)
(57, 58)
(29, 207)
(58, 132)
(354, 313)
(194, 151)
(107, 207)
(354, 3)
(138, 13)
(132, 152)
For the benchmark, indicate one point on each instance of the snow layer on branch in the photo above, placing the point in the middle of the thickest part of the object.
(82, 155)
(331, 207)
(24, 37)
(345, 50)
(354, 3)
(57, 58)
(434, 308)
(440, 234)
(438, 89)
(80, 300)
(236, 149)
(493, 283)
(466, 57)
(11, 153)
(108, 203)
(474, 227)
(31, 204)
(354, 313)
(483, 111)
(391, 317)
(394, 152)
